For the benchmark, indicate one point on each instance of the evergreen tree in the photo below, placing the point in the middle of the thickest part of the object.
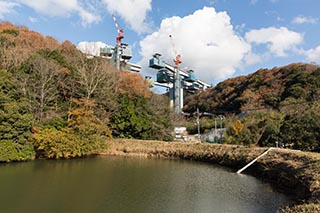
(15, 122)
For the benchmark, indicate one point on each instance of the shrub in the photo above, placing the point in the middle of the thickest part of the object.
(84, 134)
(15, 152)
(53, 143)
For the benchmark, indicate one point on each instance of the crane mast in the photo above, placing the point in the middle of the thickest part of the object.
(120, 36)
(120, 31)
(121, 53)
(178, 95)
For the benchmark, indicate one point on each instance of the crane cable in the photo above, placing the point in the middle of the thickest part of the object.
(177, 59)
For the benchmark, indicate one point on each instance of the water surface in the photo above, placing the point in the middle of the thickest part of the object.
(119, 184)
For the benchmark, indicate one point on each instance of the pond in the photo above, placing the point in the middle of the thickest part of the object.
(120, 184)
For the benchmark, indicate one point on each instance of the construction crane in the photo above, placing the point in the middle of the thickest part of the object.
(178, 95)
(120, 31)
(177, 60)
(119, 38)
(121, 53)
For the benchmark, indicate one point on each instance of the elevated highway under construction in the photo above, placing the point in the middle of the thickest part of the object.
(169, 76)
(176, 80)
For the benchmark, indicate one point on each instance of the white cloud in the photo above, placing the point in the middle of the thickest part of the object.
(304, 19)
(134, 12)
(313, 55)
(52, 7)
(88, 17)
(32, 19)
(205, 39)
(253, 2)
(55, 8)
(252, 58)
(91, 48)
(278, 40)
(6, 8)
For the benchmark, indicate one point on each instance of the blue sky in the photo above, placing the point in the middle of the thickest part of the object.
(219, 39)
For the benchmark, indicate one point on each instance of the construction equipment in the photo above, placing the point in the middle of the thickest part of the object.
(119, 46)
(174, 78)
(119, 30)
(121, 53)
(177, 81)
(166, 77)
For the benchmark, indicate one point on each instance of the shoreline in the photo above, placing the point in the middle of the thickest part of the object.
(292, 172)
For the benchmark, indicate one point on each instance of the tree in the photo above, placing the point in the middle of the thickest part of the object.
(142, 118)
(84, 134)
(92, 78)
(15, 122)
(133, 84)
(91, 73)
(161, 118)
(39, 77)
(302, 130)
(258, 128)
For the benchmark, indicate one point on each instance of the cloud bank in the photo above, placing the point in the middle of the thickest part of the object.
(205, 39)
(313, 55)
(55, 8)
(209, 44)
(133, 12)
(7, 7)
(279, 41)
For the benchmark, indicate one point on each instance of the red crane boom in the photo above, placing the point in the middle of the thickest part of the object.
(119, 30)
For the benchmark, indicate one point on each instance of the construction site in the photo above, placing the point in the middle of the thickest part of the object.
(177, 81)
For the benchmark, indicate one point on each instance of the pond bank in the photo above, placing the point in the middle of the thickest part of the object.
(293, 172)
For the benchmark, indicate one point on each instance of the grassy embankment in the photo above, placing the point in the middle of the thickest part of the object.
(293, 172)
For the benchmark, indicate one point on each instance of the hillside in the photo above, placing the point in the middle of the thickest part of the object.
(265, 88)
(268, 107)
(56, 102)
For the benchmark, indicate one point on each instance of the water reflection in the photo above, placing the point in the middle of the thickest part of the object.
(117, 184)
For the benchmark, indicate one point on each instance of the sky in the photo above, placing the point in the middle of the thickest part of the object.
(218, 39)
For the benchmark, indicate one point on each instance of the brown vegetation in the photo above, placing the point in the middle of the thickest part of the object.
(266, 88)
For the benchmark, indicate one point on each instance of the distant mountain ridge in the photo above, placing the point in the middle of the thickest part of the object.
(266, 88)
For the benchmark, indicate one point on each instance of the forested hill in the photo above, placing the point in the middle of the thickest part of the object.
(266, 88)
(56, 102)
(281, 105)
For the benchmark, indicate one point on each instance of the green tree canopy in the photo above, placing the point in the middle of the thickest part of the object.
(15, 122)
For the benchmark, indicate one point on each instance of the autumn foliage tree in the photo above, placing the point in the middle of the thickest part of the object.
(74, 99)
(84, 134)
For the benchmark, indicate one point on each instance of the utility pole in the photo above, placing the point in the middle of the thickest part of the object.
(198, 124)
(215, 128)
(221, 132)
